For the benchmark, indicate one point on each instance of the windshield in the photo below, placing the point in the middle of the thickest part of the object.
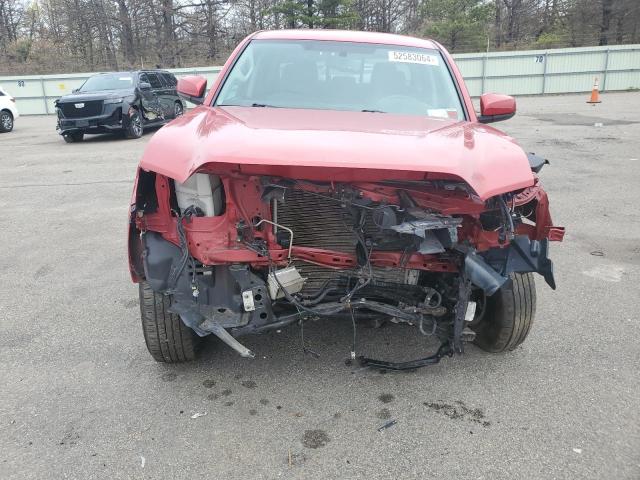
(342, 76)
(110, 81)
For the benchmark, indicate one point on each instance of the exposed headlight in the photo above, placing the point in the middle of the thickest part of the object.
(113, 100)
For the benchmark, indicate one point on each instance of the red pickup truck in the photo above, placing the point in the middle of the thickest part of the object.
(338, 174)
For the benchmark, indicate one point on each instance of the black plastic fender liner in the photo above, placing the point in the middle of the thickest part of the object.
(531, 254)
(160, 258)
(523, 255)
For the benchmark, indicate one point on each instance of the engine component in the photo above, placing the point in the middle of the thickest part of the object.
(202, 191)
(427, 222)
(322, 222)
(471, 311)
(275, 229)
(384, 217)
(436, 231)
(319, 222)
(482, 275)
(430, 244)
(289, 278)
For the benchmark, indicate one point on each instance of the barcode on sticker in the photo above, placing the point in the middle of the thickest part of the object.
(413, 57)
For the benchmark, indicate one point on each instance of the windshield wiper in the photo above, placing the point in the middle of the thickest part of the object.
(263, 105)
(373, 111)
(257, 105)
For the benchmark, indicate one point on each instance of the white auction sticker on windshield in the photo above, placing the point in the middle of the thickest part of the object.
(413, 57)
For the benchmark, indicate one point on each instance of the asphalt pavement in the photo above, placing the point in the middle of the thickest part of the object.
(80, 397)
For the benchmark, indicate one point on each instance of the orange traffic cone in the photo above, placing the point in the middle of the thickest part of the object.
(595, 96)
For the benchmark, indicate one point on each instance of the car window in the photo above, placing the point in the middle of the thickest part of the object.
(154, 80)
(342, 76)
(169, 79)
(108, 81)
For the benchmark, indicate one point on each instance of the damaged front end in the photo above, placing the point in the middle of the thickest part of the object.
(243, 254)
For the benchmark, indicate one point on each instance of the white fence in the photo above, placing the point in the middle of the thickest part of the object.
(539, 72)
(530, 72)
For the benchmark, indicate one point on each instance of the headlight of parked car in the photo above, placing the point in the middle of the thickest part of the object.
(113, 100)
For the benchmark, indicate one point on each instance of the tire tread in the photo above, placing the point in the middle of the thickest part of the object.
(167, 338)
(509, 315)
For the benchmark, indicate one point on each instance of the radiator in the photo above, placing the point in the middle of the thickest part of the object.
(320, 222)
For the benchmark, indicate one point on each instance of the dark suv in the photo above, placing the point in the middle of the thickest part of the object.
(119, 102)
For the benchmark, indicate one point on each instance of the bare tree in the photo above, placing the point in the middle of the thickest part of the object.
(42, 36)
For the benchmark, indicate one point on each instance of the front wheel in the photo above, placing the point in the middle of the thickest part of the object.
(134, 129)
(6, 121)
(74, 137)
(505, 318)
(168, 339)
(178, 110)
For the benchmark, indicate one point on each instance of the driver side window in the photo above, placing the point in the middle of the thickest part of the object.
(154, 80)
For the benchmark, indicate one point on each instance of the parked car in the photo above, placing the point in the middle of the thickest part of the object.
(8, 111)
(338, 174)
(125, 102)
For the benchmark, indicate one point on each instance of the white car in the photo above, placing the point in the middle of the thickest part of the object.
(8, 111)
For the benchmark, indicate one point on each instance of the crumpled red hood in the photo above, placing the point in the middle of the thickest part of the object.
(336, 145)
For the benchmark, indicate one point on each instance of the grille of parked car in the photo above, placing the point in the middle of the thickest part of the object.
(81, 109)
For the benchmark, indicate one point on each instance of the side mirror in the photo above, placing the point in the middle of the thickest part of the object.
(495, 107)
(75, 90)
(145, 86)
(192, 88)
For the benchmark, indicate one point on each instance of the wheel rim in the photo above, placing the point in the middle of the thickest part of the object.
(178, 110)
(136, 124)
(480, 298)
(6, 120)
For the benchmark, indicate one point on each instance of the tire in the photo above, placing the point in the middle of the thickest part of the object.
(168, 339)
(6, 121)
(508, 315)
(178, 110)
(135, 127)
(74, 137)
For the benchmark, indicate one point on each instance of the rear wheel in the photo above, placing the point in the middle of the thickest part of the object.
(168, 339)
(134, 129)
(73, 137)
(6, 121)
(505, 318)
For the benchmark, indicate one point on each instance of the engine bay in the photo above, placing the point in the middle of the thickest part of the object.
(247, 254)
